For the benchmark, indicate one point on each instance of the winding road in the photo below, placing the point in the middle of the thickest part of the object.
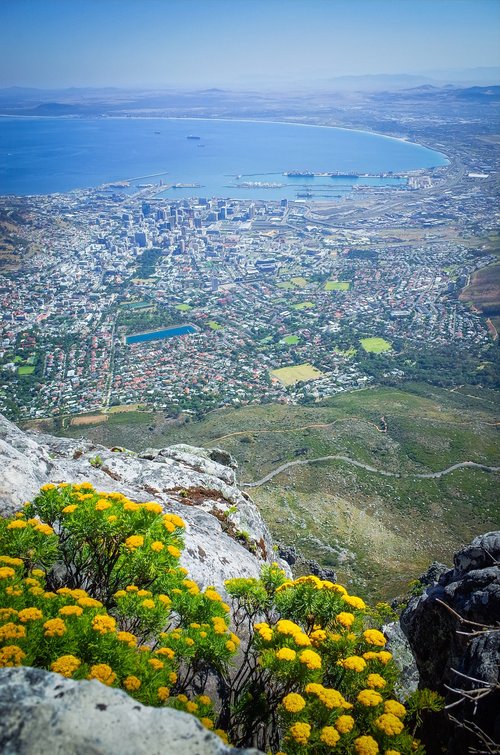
(368, 468)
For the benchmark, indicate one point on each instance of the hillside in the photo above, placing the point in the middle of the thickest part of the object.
(378, 531)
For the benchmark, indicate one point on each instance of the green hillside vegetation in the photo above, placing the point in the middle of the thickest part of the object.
(378, 532)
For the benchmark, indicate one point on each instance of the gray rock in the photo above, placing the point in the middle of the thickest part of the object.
(400, 648)
(185, 479)
(45, 714)
(453, 630)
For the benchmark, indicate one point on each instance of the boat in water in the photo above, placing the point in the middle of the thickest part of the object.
(190, 136)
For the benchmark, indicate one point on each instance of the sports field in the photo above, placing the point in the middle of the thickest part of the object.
(375, 345)
(291, 375)
(337, 286)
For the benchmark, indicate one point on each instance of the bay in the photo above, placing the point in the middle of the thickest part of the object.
(49, 155)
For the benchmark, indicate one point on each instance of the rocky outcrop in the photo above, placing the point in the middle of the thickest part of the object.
(45, 714)
(454, 632)
(225, 534)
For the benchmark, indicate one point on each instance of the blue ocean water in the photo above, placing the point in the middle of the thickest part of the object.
(155, 335)
(48, 155)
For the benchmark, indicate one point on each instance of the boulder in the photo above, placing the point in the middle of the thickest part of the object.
(46, 714)
(454, 632)
(225, 534)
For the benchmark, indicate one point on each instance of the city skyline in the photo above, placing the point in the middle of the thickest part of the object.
(157, 44)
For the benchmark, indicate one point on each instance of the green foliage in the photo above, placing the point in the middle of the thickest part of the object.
(96, 461)
(90, 588)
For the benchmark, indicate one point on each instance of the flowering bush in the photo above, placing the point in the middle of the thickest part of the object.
(91, 588)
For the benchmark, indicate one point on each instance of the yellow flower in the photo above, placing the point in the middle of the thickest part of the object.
(132, 683)
(48, 486)
(103, 673)
(189, 641)
(365, 746)
(166, 651)
(286, 654)
(155, 663)
(334, 587)
(329, 735)
(102, 504)
(112, 518)
(30, 614)
(204, 700)
(284, 626)
(130, 506)
(207, 723)
(311, 659)
(169, 526)
(182, 699)
(6, 613)
(157, 546)
(164, 599)
(103, 624)
(301, 639)
(155, 508)
(176, 520)
(384, 656)
(69, 509)
(175, 552)
(133, 542)
(230, 646)
(11, 631)
(346, 619)
(353, 663)
(54, 628)
(172, 677)
(71, 611)
(14, 591)
(344, 724)
(392, 752)
(87, 602)
(191, 707)
(394, 707)
(300, 732)
(375, 681)
(369, 698)
(131, 588)
(264, 631)
(222, 734)
(17, 524)
(66, 665)
(163, 693)
(14, 562)
(354, 601)
(127, 637)
(45, 529)
(318, 636)
(11, 655)
(35, 572)
(148, 603)
(294, 703)
(374, 637)
(212, 594)
(49, 594)
(389, 724)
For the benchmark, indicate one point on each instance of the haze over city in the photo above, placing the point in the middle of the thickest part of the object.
(222, 43)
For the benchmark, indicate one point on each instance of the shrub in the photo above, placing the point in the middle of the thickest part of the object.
(91, 588)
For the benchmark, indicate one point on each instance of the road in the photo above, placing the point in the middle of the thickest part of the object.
(368, 468)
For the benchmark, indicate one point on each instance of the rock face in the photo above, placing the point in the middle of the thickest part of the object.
(472, 591)
(225, 534)
(45, 714)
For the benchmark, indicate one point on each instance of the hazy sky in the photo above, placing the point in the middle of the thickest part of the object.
(54, 43)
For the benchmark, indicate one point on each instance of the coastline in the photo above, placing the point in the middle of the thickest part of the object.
(226, 120)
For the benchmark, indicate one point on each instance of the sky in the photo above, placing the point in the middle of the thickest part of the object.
(220, 43)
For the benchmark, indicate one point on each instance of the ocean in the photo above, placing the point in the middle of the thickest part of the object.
(50, 155)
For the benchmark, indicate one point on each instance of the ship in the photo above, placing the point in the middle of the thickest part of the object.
(190, 136)
(299, 174)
